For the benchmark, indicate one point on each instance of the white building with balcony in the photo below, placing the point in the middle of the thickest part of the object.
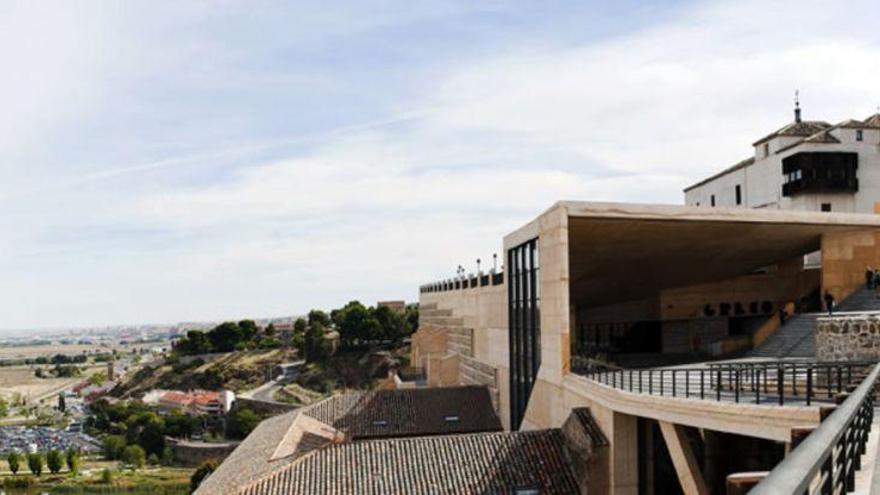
(805, 165)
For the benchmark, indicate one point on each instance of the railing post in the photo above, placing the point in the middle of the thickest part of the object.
(673, 383)
(650, 382)
(718, 385)
(794, 380)
(662, 384)
(780, 384)
(809, 383)
(702, 383)
(828, 471)
(687, 383)
(839, 379)
(758, 388)
(630, 380)
(828, 378)
(736, 387)
(640, 381)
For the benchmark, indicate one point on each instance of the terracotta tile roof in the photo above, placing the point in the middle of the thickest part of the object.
(796, 129)
(177, 397)
(263, 452)
(410, 412)
(278, 441)
(207, 398)
(737, 166)
(462, 464)
(873, 121)
(822, 137)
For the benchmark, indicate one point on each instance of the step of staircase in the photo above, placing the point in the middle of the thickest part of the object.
(431, 313)
(797, 337)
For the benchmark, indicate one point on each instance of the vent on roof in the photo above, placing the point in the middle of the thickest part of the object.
(526, 490)
(451, 419)
(380, 422)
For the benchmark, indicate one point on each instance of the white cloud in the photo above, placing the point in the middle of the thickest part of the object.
(372, 210)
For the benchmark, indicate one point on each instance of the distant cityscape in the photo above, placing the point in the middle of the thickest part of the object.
(133, 333)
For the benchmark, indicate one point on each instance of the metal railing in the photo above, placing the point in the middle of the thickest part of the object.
(826, 460)
(469, 282)
(764, 382)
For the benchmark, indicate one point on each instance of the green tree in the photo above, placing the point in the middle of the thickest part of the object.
(113, 447)
(412, 317)
(319, 317)
(54, 461)
(202, 472)
(298, 339)
(13, 459)
(167, 458)
(248, 329)
(133, 457)
(195, 342)
(4, 408)
(270, 330)
(225, 337)
(392, 325)
(107, 476)
(62, 404)
(241, 423)
(146, 429)
(180, 425)
(354, 323)
(72, 460)
(315, 346)
(35, 463)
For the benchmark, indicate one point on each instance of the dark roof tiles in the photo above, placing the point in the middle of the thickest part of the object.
(409, 412)
(461, 464)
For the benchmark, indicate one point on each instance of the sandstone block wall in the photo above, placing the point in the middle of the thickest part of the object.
(848, 338)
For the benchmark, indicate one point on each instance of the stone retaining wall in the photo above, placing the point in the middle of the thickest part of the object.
(262, 407)
(848, 338)
(194, 453)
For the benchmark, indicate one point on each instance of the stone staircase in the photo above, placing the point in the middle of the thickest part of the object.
(460, 338)
(797, 337)
(794, 339)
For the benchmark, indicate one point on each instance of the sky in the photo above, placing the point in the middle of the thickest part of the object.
(188, 161)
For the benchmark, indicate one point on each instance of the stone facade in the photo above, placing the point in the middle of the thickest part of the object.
(848, 338)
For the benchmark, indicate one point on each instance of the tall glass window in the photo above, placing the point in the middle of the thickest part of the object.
(524, 325)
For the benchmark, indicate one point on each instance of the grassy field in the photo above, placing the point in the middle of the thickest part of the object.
(150, 480)
(34, 351)
(20, 380)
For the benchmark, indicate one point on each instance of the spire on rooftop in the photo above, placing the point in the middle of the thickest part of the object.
(797, 106)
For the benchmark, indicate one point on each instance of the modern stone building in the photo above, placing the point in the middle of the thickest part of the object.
(591, 285)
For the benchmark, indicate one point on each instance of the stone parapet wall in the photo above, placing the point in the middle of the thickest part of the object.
(848, 338)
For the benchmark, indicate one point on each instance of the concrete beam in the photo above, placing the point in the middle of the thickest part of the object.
(684, 460)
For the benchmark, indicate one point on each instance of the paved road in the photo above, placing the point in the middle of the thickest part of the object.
(266, 391)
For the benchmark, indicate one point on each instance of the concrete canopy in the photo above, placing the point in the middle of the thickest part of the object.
(625, 252)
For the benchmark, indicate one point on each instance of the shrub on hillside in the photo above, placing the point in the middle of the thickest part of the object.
(202, 472)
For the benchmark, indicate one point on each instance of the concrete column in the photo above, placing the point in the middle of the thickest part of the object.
(624, 455)
(684, 460)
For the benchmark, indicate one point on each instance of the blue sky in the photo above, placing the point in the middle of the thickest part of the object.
(169, 161)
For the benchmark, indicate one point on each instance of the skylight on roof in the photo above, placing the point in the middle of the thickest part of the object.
(451, 419)
(380, 422)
